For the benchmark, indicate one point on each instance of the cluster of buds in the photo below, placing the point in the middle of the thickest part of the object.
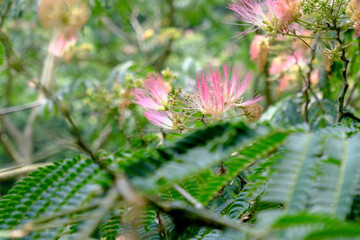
(271, 16)
(217, 92)
(331, 53)
(253, 111)
(65, 17)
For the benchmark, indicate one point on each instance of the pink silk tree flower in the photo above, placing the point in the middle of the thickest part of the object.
(259, 14)
(66, 18)
(220, 91)
(353, 11)
(160, 119)
(153, 94)
(287, 11)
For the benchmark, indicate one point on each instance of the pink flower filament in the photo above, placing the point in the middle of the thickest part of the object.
(219, 91)
(153, 94)
(160, 119)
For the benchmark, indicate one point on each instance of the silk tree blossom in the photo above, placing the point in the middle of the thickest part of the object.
(268, 15)
(153, 94)
(287, 11)
(353, 11)
(66, 17)
(160, 119)
(220, 91)
(259, 14)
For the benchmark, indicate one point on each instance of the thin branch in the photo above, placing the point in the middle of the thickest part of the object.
(124, 187)
(103, 136)
(14, 109)
(350, 115)
(10, 173)
(13, 60)
(268, 95)
(97, 216)
(9, 86)
(346, 61)
(162, 224)
(115, 29)
(14, 154)
(55, 148)
(66, 212)
(303, 41)
(14, 132)
(308, 77)
(188, 197)
(22, 140)
(5, 12)
(302, 36)
(138, 33)
(310, 89)
(184, 216)
(166, 53)
(353, 89)
(46, 80)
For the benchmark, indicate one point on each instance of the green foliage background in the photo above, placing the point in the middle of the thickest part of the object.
(278, 179)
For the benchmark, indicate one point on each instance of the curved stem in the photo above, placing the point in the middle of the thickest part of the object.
(343, 71)
(308, 25)
(353, 90)
(308, 78)
(302, 36)
(184, 115)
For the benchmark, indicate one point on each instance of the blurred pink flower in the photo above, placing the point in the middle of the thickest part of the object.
(315, 77)
(259, 51)
(160, 119)
(260, 14)
(298, 58)
(287, 80)
(153, 94)
(255, 47)
(290, 79)
(281, 63)
(32, 83)
(61, 42)
(285, 62)
(219, 91)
